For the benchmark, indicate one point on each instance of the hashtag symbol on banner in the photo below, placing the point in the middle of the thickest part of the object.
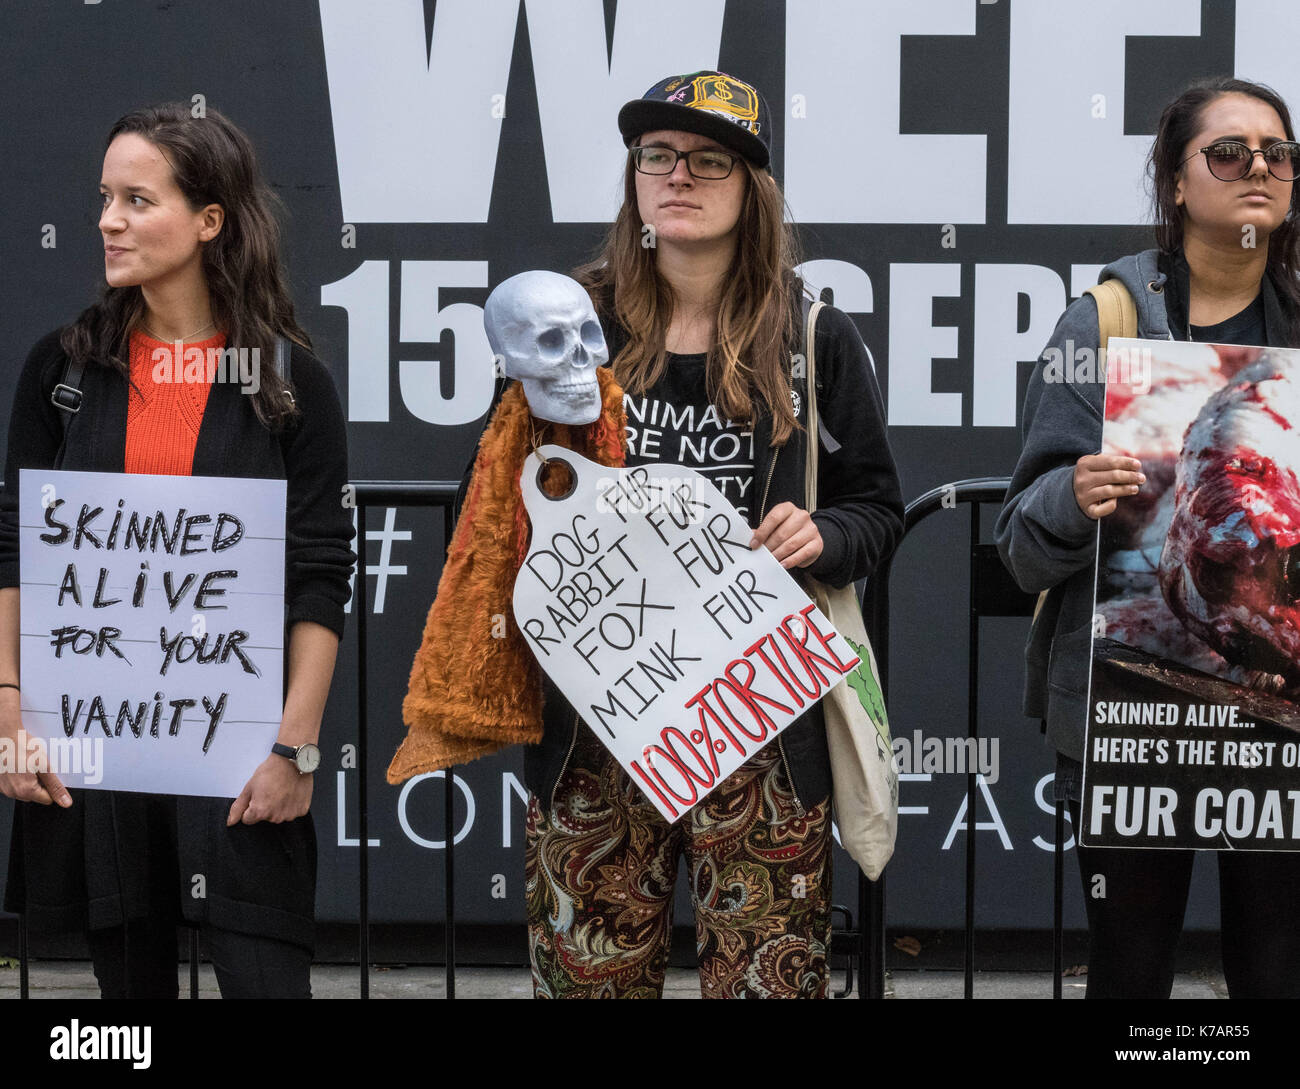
(385, 566)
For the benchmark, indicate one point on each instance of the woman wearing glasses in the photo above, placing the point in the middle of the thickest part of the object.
(1223, 166)
(700, 305)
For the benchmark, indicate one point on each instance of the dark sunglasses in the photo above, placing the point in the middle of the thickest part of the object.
(1231, 160)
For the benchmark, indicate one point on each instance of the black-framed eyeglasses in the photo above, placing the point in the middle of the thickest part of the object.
(1231, 160)
(703, 163)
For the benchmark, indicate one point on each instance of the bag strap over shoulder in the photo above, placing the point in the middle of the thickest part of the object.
(1116, 317)
(67, 394)
(283, 354)
(813, 419)
(1116, 311)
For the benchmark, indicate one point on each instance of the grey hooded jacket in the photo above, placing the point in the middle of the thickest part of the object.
(1045, 539)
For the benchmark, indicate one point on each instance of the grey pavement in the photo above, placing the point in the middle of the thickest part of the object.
(74, 979)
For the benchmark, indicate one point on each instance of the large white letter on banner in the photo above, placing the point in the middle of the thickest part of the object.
(415, 137)
(1268, 32)
(363, 294)
(915, 342)
(579, 93)
(846, 161)
(850, 284)
(1069, 160)
(998, 344)
(423, 319)
(1083, 277)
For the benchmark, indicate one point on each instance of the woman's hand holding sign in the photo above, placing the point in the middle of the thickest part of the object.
(19, 750)
(23, 751)
(790, 535)
(1101, 480)
(277, 792)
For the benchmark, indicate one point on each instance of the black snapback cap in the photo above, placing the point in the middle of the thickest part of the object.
(712, 104)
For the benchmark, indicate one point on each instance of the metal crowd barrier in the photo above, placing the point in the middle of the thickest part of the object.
(993, 593)
(397, 494)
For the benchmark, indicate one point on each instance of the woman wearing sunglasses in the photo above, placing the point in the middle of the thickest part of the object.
(700, 306)
(1223, 167)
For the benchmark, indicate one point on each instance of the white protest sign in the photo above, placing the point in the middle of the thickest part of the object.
(152, 627)
(682, 649)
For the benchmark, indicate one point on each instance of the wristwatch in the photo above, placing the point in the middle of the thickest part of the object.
(306, 758)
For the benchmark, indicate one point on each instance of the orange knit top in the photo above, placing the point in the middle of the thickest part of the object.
(166, 403)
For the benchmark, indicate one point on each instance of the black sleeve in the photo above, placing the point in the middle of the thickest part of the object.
(35, 435)
(318, 528)
(859, 501)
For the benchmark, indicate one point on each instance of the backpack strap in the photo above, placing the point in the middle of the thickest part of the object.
(1116, 317)
(66, 395)
(283, 352)
(283, 366)
(1116, 311)
(814, 387)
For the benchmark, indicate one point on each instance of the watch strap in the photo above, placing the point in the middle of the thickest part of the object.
(287, 751)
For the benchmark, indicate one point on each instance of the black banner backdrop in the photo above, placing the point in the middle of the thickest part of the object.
(959, 168)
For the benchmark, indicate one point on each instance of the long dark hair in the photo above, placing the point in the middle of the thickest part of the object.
(212, 162)
(1179, 123)
(750, 359)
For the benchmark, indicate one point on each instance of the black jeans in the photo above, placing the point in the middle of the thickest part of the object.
(142, 962)
(1133, 929)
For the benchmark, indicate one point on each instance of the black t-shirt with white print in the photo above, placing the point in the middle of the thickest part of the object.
(674, 423)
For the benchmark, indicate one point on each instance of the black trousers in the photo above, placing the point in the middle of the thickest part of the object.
(140, 961)
(1136, 901)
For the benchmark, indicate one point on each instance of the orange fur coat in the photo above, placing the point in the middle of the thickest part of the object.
(475, 685)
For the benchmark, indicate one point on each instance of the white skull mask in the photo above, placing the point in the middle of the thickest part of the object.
(543, 327)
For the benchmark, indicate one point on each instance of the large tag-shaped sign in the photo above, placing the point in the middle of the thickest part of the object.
(682, 649)
(152, 627)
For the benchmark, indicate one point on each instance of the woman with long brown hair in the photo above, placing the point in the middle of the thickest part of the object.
(700, 305)
(191, 255)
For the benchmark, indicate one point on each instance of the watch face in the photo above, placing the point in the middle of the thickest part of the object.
(308, 759)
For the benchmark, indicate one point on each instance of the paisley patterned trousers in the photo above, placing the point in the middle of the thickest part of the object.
(600, 871)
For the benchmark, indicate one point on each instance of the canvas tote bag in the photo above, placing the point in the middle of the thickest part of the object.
(863, 769)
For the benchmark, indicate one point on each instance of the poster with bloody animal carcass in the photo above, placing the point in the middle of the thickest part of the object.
(1194, 706)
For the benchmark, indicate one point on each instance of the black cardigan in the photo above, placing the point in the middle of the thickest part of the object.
(311, 456)
(79, 868)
